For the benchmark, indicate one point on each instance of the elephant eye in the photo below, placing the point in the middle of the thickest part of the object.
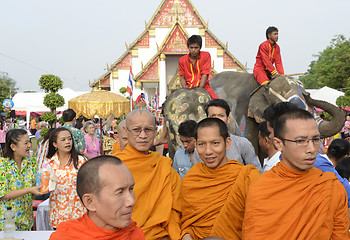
(299, 102)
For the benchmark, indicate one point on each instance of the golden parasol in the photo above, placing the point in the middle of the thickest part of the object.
(101, 103)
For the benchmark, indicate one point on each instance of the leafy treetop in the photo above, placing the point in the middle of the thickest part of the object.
(332, 67)
(50, 83)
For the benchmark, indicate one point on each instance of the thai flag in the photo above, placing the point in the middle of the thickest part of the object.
(156, 99)
(130, 87)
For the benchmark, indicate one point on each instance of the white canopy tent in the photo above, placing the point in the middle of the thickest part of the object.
(326, 94)
(33, 101)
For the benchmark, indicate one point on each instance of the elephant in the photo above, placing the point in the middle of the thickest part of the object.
(248, 102)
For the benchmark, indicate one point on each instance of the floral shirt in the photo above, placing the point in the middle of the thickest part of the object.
(13, 179)
(78, 137)
(64, 200)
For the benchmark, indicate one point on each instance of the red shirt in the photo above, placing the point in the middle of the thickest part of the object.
(267, 56)
(193, 73)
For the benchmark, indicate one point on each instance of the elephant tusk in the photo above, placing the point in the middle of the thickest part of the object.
(279, 96)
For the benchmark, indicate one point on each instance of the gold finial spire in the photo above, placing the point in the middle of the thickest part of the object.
(126, 45)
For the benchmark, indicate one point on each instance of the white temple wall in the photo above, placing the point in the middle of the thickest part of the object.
(192, 31)
(161, 33)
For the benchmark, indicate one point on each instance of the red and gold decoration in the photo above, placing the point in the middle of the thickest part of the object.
(151, 73)
(228, 62)
(173, 9)
(177, 42)
(144, 41)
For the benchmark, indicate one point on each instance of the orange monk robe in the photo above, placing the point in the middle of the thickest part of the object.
(85, 228)
(157, 189)
(289, 204)
(116, 148)
(214, 199)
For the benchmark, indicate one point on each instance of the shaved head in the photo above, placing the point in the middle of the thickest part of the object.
(138, 112)
(122, 136)
(88, 178)
(140, 129)
(121, 126)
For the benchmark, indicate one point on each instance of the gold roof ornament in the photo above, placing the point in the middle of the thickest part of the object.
(138, 84)
(101, 103)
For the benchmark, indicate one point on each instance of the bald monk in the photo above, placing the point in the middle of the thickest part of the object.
(105, 186)
(157, 190)
(214, 191)
(119, 145)
(295, 200)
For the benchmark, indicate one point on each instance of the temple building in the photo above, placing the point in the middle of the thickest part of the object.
(154, 55)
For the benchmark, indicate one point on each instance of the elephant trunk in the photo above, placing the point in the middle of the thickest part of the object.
(328, 128)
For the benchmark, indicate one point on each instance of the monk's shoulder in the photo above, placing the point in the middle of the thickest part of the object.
(72, 227)
(164, 161)
(264, 181)
(320, 176)
(248, 170)
(251, 171)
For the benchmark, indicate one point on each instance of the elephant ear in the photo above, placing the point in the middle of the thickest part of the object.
(181, 105)
(258, 102)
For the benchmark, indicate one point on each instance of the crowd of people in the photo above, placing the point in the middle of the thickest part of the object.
(215, 187)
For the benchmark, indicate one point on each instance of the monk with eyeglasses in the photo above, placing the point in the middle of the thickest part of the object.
(295, 200)
(157, 185)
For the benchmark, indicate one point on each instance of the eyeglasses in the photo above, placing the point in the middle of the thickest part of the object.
(304, 142)
(137, 131)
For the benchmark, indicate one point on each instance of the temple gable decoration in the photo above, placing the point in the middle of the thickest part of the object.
(144, 42)
(149, 72)
(176, 41)
(170, 10)
(125, 63)
(228, 62)
(210, 41)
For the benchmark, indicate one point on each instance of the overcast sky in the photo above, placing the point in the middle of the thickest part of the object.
(74, 39)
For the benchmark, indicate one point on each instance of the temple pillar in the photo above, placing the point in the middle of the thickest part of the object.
(113, 81)
(162, 79)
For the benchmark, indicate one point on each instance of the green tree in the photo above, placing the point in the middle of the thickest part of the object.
(122, 90)
(51, 84)
(332, 67)
(7, 84)
(344, 101)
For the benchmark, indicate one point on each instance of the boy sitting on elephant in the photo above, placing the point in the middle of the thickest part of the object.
(194, 68)
(268, 54)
